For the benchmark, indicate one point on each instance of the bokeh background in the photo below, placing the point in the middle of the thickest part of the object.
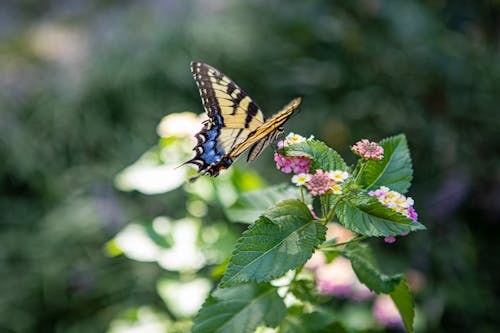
(84, 84)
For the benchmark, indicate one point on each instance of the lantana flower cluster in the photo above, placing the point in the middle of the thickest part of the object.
(368, 150)
(318, 183)
(397, 202)
(322, 182)
(295, 164)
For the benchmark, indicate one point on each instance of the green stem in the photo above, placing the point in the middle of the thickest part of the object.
(323, 206)
(302, 194)
(363, 164)
(330, 215)
(333, 246)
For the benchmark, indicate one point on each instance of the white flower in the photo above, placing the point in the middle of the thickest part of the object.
(301, 179)
(338, 175)
(293, 138)
(337, 189)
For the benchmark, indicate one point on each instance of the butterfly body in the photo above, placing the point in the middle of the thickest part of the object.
(236, 123)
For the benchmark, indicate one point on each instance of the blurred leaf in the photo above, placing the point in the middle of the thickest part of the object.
(247, 180)
(394, 170)
(403, 300)
(364, 265)
(219, 270)
(305, 289)
(298, 321)
(282, 239)
(331, 255)
(324, 157)
(366, 216)
(251, 205)
(240, 309)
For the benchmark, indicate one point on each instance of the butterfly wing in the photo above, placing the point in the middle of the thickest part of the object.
(267, 133)
(235, 123)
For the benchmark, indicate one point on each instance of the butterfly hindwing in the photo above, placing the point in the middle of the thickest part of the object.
(235, 123)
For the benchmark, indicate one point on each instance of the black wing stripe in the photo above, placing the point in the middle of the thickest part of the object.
(251, 113)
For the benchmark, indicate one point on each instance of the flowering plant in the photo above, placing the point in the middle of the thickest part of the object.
(288, 224)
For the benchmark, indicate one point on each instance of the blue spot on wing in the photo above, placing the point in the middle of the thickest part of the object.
(212, 133)
(212, 152)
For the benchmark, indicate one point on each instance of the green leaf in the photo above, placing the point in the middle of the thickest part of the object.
(250, 206)
(394, 170)
(280, 240)
(401, 297)
(318, 321)
(364, 265)
(240, 309)
(305, 289)
(366, 216)
(323, 157)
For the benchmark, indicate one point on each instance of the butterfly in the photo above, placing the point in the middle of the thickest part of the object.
(235, 122)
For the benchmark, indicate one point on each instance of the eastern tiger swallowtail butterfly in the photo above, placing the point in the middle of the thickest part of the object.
(235, 122)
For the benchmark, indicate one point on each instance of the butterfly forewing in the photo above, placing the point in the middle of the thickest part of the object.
(235, 122)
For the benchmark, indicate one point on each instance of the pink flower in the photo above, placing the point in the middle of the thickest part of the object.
(386, 312)
(368, 150)
(390, 239)
(412, 214)
(397, 202)
(338, 278)
(317, 260)
(320, 183)
(295, 164)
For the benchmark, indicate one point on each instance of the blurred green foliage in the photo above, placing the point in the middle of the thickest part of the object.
(84, 84)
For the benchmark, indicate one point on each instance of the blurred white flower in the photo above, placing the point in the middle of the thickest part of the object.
(184, 299)
(180, 124)
(64, 45)
(184, 254)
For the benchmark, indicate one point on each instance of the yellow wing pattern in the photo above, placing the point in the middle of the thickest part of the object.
(236, 123)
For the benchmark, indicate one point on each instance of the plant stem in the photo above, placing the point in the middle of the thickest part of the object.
(330, 215)
(354, 240)
(363, 164)
(302, 194)
(323, 206)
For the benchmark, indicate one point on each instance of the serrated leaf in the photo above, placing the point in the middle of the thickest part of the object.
(366, 216)
(240, 309)
(250, 206)
(282, 239)
(394, 170)
(364, 265)
(323, 157)
(402, 298)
